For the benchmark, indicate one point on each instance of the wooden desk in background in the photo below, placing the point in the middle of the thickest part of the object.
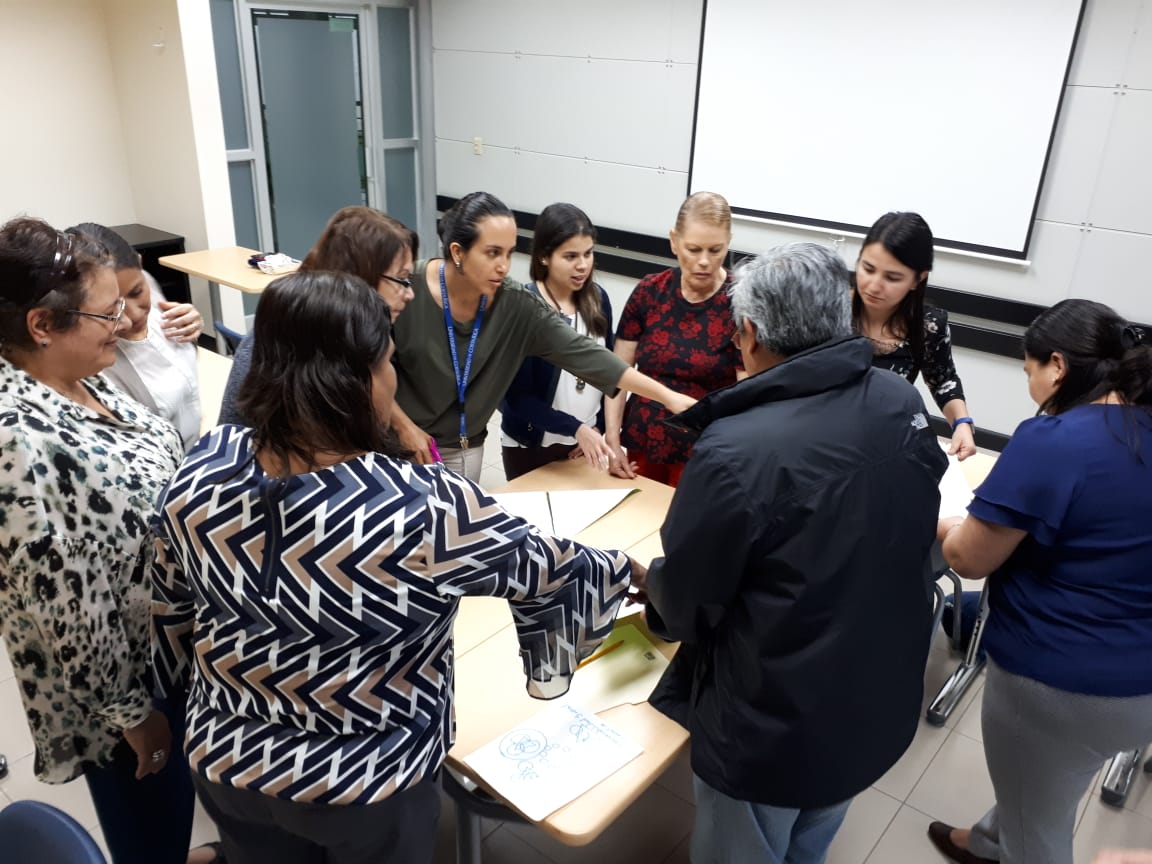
(226, 266)
(490, 692)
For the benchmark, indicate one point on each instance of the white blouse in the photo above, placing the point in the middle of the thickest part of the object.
(162, 376)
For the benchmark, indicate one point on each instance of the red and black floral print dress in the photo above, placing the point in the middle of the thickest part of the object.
(686, 346)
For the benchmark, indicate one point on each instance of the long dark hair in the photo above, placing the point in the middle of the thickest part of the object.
(1102, 351)
(908, 239)
(361, 241)
(318, 335)
(42, 268)
(555, 226)
(460, 223)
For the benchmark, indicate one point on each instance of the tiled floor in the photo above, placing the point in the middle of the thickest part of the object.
(942, 776)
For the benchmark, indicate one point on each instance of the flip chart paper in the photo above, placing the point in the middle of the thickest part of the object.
(552, 759)
(563, 513)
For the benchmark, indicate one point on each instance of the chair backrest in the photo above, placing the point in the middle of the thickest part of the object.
(39, 833)
(231, 338)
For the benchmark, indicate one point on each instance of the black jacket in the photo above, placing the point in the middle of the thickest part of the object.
(796, 575)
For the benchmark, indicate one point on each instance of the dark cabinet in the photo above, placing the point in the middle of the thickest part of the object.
(153, 244)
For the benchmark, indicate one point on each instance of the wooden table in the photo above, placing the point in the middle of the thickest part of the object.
(490, 688)
(213, 371)
(226, 266)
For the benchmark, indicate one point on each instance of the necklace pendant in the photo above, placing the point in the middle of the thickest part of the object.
(463, 442)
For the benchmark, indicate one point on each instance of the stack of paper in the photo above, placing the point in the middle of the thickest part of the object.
(554, 758)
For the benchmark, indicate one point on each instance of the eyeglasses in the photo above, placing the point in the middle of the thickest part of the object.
(115, 319)
(403, 283)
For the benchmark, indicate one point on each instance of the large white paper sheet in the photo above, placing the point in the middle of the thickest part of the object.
(573, 510)
(552, 759)
(530, 506)
(955, 493)
(564, 513)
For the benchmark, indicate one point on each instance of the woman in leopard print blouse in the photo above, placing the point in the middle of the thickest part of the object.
(81, 468)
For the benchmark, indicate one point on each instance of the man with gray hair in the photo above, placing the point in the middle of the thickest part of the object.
(795, 570)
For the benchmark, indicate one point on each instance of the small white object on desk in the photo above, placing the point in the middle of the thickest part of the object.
(552, 759)
(277, 263)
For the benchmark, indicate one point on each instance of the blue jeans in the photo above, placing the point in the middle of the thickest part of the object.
(146, 821)
(729, 831)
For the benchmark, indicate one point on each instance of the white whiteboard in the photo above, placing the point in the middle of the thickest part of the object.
(833, 112)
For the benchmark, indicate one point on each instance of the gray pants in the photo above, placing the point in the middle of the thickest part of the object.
(1043, 747)
(469, 463)
(258, 829)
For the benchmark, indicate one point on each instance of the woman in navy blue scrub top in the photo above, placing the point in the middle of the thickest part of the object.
(1063, 529)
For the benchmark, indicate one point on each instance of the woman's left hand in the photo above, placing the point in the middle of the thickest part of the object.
(963, 442)
(182, 323)
(593, 447)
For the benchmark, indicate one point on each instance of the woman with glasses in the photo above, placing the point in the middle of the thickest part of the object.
(357, 240)
(156, 355)
(81, 468)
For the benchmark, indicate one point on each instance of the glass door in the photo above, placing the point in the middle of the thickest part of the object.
(308, 67)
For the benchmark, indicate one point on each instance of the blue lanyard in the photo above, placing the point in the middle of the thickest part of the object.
(461, 380)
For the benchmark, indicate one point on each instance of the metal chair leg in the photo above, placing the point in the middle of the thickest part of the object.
(957, 599)
(472, 802)
(937, 610)
(1118, 777)
(960, 680)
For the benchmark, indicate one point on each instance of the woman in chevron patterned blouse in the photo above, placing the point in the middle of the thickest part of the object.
(314, 576)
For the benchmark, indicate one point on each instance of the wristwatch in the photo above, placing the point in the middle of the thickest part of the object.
(960, 420)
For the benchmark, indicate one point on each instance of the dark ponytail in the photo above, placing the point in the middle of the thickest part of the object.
(1133, 376)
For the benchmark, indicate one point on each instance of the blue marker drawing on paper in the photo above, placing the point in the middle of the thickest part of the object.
(559, 754)
(522, 744)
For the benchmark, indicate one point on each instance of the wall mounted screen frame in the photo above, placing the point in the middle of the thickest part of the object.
(830, 113)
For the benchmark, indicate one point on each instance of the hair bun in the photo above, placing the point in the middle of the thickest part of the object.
(1131, 336)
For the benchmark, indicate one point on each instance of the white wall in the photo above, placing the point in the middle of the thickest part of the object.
(594, 104)
(173, 133)
(62, 151)
(102, 125)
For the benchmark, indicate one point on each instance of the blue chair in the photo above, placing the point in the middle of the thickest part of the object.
(33, 831)
(231, 338)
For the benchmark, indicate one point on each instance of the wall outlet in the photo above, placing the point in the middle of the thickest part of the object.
(477, 146)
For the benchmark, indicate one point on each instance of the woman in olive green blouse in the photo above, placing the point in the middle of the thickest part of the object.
(448, 389)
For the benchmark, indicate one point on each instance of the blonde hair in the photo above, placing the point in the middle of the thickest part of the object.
(707, 207)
